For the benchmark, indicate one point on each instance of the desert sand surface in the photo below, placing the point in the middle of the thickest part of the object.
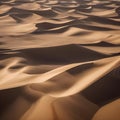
(59, 60)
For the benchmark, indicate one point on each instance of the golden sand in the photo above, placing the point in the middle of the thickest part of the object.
(59, 60)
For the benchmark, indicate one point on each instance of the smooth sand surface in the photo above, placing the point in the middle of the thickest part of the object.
(109, 111)
(59, 59)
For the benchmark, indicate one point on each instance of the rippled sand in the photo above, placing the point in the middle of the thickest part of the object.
(59, 60)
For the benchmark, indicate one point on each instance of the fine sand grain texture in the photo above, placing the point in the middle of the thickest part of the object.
(59, 59)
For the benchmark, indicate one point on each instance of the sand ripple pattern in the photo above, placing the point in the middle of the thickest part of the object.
(59, 59)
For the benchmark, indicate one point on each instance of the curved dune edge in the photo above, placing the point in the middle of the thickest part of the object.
(109, 111)
(19, 78)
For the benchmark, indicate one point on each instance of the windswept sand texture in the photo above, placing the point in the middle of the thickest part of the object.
(59, 59)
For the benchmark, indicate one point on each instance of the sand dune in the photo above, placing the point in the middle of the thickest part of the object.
(59, 59)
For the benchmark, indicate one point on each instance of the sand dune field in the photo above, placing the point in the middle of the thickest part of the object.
(59, 59)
